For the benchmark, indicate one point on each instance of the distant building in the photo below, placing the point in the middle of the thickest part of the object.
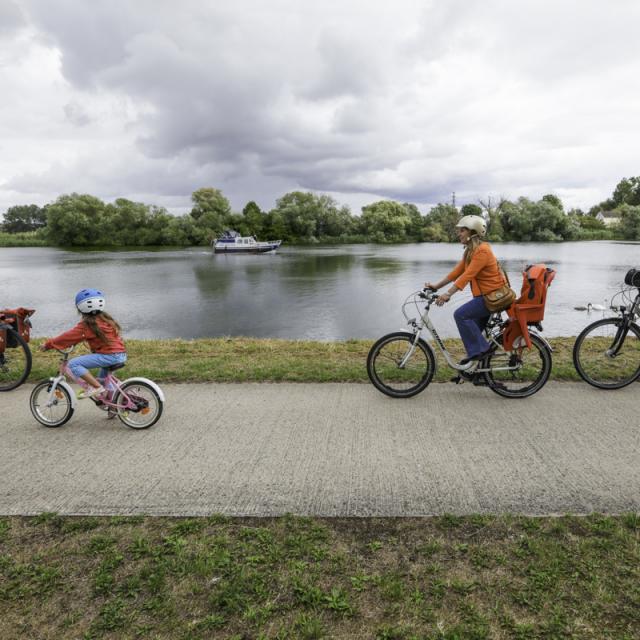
(608, 217)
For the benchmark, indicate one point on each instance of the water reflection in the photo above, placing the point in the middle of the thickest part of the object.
(321, 293)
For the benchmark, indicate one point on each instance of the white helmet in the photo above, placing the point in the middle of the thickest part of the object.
(90, 301)
(473, 223)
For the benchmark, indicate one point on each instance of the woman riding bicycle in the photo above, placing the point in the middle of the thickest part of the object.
(480, 267)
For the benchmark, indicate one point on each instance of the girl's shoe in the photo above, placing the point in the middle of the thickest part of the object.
(94, 393)
(111, 413)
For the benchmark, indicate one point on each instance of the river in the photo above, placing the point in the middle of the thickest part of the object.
(316, 293)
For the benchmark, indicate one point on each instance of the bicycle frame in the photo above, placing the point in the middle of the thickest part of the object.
(627, 316)
(495, 320)
(65, 372)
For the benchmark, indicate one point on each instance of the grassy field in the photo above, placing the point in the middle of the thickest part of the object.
(253, 360)
(446, 578)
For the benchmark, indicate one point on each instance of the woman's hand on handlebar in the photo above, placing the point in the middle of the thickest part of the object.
(443, 298)
(430, 287)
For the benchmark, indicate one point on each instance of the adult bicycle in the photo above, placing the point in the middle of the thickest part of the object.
(606, 354)
(15, 355)
(137, 402)
(402, 364)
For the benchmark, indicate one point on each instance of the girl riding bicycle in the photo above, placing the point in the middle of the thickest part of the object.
(480, 267)
(101, 332)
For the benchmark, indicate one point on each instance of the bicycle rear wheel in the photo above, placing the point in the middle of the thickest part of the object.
(400, 366)
(531, 372)
(148, 405)
(15, 362)
(598, 359)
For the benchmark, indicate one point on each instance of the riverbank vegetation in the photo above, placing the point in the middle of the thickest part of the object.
(448, 577)
(82, 220)
(269, 360)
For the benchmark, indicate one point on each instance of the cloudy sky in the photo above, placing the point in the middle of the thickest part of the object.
(360, 99)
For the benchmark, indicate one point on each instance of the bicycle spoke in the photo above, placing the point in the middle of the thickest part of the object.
(521, 372)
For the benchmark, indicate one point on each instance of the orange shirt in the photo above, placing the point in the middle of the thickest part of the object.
(482, 271)
(82, 333)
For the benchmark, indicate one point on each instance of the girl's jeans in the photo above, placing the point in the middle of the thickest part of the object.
(81, 364)
(471, 319)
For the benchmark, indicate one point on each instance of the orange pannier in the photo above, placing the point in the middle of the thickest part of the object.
(529, 307)
(18, 320)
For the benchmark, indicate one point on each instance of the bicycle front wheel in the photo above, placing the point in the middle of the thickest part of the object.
(400, 365)
(519, 373)
(15, 363)
(138, 405)
(598, 359)
(50, 411)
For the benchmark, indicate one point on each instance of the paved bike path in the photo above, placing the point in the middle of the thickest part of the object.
(330, 450)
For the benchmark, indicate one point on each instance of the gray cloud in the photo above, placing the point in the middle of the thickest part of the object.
(11, 17)
(407, 101)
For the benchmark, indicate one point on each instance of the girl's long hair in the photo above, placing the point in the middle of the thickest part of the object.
(91, 321)
(474, 242)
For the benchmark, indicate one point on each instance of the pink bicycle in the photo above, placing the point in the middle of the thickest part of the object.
(137, 402)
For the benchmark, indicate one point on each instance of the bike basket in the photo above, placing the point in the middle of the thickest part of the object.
(633, 278)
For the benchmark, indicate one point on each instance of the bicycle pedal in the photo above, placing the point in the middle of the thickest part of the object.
(457, 380)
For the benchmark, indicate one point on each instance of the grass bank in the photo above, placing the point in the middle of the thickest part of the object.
(447, 578)
(25, 239)
(252, 360)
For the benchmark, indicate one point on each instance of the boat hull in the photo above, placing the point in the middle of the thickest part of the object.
(256, 248)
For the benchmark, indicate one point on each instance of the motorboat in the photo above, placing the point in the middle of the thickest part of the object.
(233, 242)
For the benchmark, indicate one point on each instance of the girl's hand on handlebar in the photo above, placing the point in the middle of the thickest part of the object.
(442, 299)
(428, 285)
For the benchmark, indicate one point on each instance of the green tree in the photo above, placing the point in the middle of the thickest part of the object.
(385, 221)
(471, 210)
(75, 220)
(24, 217)
(307, 216)
(211, 211)
(629, 225)
(542, 221)
(627, 191)
(254, 218)
(444, 217)
(417, 221)
(553, 200)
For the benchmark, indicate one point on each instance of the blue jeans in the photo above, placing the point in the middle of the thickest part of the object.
(81, 364)
(471, 319)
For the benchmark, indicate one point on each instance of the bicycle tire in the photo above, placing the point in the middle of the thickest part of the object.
(45, 415)
(595, 373)
(15, 363)
(383, 370)
(526, 374)
(131, 418)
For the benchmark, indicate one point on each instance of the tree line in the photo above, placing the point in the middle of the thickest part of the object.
(304, 217)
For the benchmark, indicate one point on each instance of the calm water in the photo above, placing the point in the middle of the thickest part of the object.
(320, 293)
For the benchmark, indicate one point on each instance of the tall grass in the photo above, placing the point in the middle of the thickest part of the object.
(25, 239)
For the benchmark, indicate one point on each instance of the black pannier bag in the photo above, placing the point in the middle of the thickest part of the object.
(633, 278)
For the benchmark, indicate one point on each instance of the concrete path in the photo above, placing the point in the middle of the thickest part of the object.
(330, 450)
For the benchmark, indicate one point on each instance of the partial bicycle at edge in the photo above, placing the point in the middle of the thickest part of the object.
(606, 353)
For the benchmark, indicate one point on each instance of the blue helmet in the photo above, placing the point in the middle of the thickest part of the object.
(90, 301)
